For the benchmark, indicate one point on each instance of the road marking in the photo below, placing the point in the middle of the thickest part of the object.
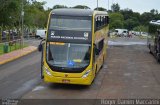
(126, 43)
(127, 74)
(144, 86)
(26, 86)
(38, 88)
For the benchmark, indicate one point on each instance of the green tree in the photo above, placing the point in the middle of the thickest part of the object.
(116, 20)
(9, 12)
(59, 6)
(154, 12)
(127, 13)
(146, 17)
(141, 28)
(130, 23)
(116, 24)
(115, 7)
(35, 15)
(100, 9)
(81, 7)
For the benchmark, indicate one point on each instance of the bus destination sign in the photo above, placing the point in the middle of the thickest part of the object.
(69, 36)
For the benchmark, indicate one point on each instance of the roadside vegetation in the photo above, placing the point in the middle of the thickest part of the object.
(35, 15)
(5, 48)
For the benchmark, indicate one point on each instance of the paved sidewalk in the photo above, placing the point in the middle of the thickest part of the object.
(16, 54)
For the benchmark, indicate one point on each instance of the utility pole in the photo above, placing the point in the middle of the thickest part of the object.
(22, 15)
(108, 5)
(97, 4)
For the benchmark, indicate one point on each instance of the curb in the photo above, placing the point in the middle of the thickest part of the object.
(16, 57)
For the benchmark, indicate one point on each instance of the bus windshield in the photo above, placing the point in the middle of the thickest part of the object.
(70, 23)
(68, 55)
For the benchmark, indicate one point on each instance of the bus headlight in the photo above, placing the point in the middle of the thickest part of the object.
(47, 71)
(86, 74)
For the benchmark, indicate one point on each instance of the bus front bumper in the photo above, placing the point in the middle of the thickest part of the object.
(79, 81)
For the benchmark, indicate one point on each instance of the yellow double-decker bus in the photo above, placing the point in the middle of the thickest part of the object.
(75, 46)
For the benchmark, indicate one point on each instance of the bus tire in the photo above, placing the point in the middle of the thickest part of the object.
(102, 63)
(42, 76)
(96, 71)
(94, 75)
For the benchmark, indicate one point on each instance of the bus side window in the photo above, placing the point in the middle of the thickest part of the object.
(101, 45)
(96, 50)
(97, 23)
(100, 21)
(104, 23)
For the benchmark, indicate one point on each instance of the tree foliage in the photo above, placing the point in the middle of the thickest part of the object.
(36, 15)
(115, 7)
(141, 28)
(9, 12)
(81, 7)
(59, 6)
(116, 20)
(131, 20)
(100, 9)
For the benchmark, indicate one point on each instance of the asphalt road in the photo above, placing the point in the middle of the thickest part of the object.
(129, 72)
(19, 76)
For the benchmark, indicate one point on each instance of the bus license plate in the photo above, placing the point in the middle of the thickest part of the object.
(65, 81)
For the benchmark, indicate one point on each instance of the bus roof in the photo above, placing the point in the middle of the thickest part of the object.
(75, 12)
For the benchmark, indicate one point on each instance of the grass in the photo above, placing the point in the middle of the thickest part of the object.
(11, 48)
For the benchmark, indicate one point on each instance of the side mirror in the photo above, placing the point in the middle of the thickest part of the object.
(40, 47)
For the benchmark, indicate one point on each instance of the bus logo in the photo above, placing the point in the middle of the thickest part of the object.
(52, 33)
(86, 34)
(66, 75)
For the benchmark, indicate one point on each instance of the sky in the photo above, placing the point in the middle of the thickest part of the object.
(136, 5)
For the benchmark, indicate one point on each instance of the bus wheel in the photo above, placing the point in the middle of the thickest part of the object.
(94, 75)
(102, 63)
(96, 71)
(42, 76)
